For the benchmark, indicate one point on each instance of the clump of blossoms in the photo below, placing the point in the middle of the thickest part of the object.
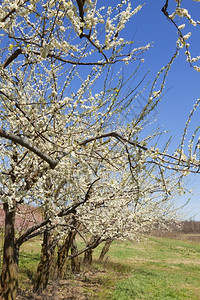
(181, 42)
(55, 21)
(67, 146)
(126, 213)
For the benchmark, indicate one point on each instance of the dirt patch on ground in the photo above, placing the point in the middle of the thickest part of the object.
(84, 286)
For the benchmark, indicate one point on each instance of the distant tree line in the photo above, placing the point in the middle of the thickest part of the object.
(190, 226)
(176, 228)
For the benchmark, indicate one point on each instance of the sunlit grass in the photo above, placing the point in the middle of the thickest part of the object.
(159, 268)
(28, 261)
(150, 283)
(155, 268)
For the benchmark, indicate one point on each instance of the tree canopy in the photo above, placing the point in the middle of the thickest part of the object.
(73, 139)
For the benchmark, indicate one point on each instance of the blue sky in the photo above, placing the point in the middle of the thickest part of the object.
(183, 88)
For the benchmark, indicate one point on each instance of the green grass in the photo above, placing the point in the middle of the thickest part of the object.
(28, 261)
(153, 284)
(160, 268)
(156, 268)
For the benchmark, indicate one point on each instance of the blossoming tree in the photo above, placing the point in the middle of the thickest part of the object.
(43, 117)
(125, 198)
(65, 106)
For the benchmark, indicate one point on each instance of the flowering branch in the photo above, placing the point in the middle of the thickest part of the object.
(158, 155)
(31, 232)
(12, 11)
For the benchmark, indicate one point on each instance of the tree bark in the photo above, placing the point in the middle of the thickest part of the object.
(43, 270)
(87, 260)
(75, 263)
(63, 251)
(9, 274)
(105, 249)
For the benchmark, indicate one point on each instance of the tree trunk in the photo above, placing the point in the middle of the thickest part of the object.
(105, 249)
(9, 274)
(87, 260)
(63, 251)
(75, 263)
(44, 265)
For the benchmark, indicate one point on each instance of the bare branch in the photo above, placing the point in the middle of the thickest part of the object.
(91, 246)
(25, 143)
(164, 9)
(115, 135)
(12, 57)
(80, 7)
(72, 62)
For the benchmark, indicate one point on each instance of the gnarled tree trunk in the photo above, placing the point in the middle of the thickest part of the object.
(63, 251)
(75, 263)
(9, 275)
(44, 265)
(87, 260)
(105, 249)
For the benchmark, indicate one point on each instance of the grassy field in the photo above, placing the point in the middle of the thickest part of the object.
(156, 268)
